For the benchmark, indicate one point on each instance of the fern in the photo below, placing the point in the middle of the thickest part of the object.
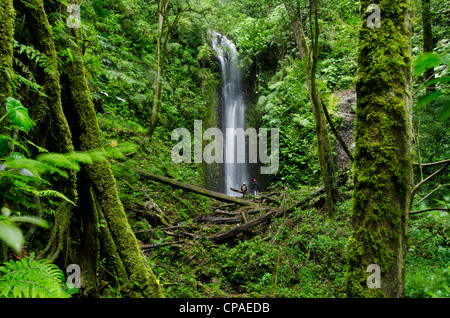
(53, 193)
(35, 56)
(32, 278)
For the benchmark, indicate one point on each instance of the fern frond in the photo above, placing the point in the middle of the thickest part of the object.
(53, 193)
(32, 278)
(35, 56)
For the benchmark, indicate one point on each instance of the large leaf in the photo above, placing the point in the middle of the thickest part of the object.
(18, 114)
(425, 100)
(445, 79)
(11, 235)
(30, 219)
(445, 112)
(426, 61)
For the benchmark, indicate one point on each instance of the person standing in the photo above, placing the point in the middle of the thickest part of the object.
(244, 190)
(255, 187)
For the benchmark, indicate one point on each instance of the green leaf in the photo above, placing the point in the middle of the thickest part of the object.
(444, 79)
(53, 193)
(18, 114)
(30, 219)
(6, 212)
(3, 146)
(445, 112)
(426, 61)
(11, 235)
(425, 100)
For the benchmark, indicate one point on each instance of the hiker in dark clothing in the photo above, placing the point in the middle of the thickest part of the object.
(255, 187)
(244, 190)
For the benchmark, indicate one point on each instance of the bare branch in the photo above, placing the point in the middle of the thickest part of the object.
(421, 183)
(428, 210)
(432, 163)
(440, 186)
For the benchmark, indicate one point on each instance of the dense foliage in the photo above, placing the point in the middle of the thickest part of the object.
(302, 255)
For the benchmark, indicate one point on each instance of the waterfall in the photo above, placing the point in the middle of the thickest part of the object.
(233, 112)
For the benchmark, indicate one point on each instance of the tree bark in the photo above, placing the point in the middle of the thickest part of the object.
(428, 42)
(7, 15)
(100, 176)
(42, 39)
(326, 159)
(383, 160)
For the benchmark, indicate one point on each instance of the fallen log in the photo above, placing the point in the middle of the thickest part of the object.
(275, 213)
(219, 220)
(236, 190)
(218, 238)
(191, 188)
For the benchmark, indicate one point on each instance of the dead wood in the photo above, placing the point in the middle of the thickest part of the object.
(191, 188)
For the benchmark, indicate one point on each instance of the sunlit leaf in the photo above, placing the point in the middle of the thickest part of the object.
(18, 114)
(11, 235)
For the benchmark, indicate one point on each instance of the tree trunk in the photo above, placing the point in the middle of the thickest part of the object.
(100, 177)
(99, 200)
(326, 159)
(7, 15)
(193, 188)
(159, 61)
(383, 159)
(42, 39)
(428, 43)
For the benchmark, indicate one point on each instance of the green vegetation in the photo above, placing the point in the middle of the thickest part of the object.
(82, 110)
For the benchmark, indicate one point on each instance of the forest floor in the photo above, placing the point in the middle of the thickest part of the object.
(296, 251)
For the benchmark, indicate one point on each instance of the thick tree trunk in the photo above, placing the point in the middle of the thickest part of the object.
(7, 15)
(100, 177)
(42, 39)
(383, 160)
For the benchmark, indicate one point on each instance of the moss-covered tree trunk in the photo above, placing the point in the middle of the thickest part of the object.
(98, 224)
(7, 15)
(383, 163)
(42, 39)
(324, 149)
(101, 179)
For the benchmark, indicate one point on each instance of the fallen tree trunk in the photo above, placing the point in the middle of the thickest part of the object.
(218, 238)
(276, 213)
(192, 188)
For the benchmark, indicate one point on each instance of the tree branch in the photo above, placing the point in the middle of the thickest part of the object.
(427, 210)
(421, 183)
(432, 163)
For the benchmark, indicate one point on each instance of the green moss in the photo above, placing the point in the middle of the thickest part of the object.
(141, 280)
(383, 164)
(7, 16)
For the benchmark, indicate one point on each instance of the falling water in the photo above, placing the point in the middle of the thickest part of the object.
(233, 110)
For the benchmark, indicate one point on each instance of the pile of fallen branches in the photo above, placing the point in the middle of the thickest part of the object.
(233, 215)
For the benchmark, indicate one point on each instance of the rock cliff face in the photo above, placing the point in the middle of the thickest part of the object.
(346, 111)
